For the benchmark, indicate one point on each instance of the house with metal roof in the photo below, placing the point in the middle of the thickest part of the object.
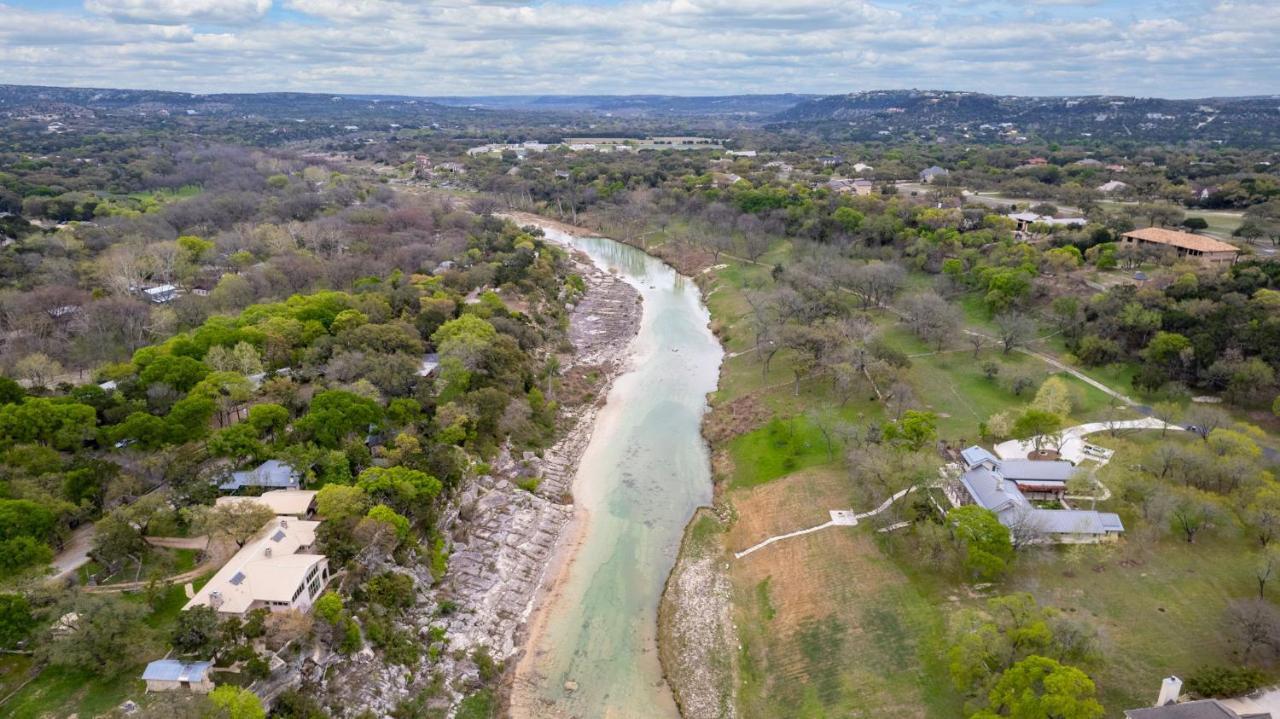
(276, 570)
(929, 174)
(1007, 487)
(161, 294)
(272, 473)
(167, 675)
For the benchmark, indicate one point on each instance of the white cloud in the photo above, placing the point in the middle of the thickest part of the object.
(177, 12)
(672, 46)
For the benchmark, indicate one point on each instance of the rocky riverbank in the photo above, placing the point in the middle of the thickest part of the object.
(504, 540)
(697, 640)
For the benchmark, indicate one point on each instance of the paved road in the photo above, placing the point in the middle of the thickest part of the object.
(75, 553)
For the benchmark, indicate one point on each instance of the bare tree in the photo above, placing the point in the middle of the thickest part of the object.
(1016, 329)
(1254, 627)
(877, 282)
(1202, 420)
(931, 318)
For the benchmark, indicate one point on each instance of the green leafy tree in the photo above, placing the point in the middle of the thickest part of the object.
(915, 430)
(268, 419)
(398, 522)
(105, 635)
(1037, 425)
(232, 702)
(16, 620)
(178, 371)
(986, 545)
(54, 422)
(464, 345)
(401, 487)
(238, 442)
(1042, 688)
(335, 414)
(340, 502)
(328, 607)
(196, 631)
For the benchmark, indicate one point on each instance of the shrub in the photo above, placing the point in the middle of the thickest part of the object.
(1224, 681)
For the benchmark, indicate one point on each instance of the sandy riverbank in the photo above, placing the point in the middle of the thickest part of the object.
(612, 350)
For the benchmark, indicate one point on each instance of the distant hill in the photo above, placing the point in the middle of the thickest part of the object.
(924, 114)
(742, 106)
(887, 115)
(265, 104)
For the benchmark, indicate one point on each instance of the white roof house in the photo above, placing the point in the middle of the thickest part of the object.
(284, 502)
(161, 294)
(1025, 220)
(275, 571)
(1112, 186)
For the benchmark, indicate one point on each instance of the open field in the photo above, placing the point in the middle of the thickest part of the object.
(1158, 608)
(828, 625)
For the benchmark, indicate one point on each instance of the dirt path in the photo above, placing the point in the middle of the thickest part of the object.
(75, 553)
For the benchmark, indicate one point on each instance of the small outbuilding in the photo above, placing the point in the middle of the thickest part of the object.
(168, 675)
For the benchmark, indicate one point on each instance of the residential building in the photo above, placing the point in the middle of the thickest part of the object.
(167, 675)
(1111, 186)
(276, 571)
(272, 473)
(1205, 250)
(862, 167)
(1088, 162)
(161, 294)
(300, 503)
(1007, 488)
(930, 174)
(1036, 162)
(830, 160)
(1025, 220)
(847, 186)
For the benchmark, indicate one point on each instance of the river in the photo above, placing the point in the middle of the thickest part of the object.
(643, 474)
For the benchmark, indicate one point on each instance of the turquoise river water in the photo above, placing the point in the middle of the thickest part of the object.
(643, 474)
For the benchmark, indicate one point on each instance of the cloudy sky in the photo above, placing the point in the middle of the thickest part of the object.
(1170, 48)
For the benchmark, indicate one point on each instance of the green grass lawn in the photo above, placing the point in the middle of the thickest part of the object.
(1158, 609)
(779, 448)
